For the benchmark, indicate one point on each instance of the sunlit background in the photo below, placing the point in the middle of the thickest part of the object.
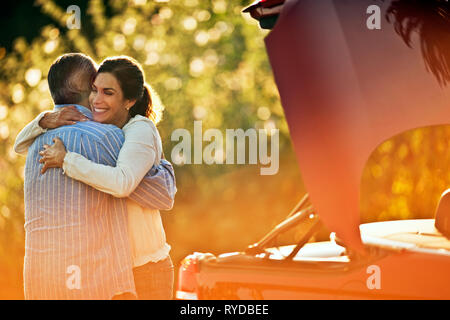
(208, 62)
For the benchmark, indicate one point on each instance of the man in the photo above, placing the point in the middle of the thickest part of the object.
(76, 244)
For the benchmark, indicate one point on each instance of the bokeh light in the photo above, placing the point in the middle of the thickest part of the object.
(18, 93)
(189, 23)
(3, 112)
(33, 76)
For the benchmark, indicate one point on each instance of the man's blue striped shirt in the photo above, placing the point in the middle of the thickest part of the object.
(76, 244)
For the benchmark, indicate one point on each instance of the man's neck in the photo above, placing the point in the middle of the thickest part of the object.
(82, 108)
(85, 103)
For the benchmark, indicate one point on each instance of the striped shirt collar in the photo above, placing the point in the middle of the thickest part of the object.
(85, 111)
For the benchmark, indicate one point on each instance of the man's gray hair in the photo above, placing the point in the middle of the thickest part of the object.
(70, 78)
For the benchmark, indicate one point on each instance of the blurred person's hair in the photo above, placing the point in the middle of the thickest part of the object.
(70, 78)
(130, 76)
(430, 20)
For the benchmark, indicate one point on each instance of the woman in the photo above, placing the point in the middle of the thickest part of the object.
(120, 97)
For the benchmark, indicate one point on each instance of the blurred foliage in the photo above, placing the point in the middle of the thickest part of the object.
(207, 61)
(406, 175)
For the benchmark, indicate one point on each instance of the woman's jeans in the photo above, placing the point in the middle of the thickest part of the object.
(154, 280)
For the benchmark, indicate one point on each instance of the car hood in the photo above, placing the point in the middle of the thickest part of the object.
(345, 89)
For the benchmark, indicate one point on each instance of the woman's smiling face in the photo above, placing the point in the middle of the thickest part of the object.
(107, 102)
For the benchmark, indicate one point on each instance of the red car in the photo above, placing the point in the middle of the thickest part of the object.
(351, 74)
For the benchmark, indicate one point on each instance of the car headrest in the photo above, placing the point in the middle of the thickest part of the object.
(442, 216)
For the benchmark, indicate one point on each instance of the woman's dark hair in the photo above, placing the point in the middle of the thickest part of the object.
(130, 76)
(430, 19)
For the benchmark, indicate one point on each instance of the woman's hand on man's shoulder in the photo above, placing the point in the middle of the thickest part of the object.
(61, 117)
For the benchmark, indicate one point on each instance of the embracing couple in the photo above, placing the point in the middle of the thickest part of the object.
(95, 180)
